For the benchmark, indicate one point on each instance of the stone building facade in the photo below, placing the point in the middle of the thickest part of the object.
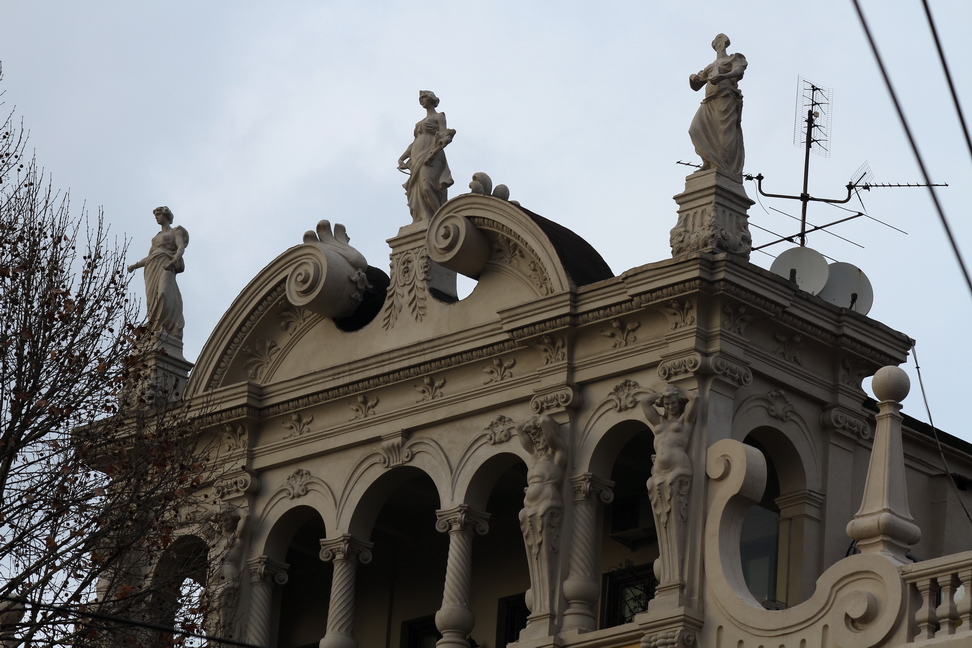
(416, 468)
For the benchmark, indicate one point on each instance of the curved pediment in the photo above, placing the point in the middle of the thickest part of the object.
(318, 306)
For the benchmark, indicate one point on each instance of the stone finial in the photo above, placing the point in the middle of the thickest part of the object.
(884, 525)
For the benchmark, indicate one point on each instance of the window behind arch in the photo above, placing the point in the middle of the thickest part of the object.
(763, 563)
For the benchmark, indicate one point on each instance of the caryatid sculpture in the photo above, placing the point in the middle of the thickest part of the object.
(543, 510)
(425, 163)
(716, 130)
(163, 301)
(671, 476)
(229, 525)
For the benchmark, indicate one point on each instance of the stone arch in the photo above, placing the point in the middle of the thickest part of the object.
(374, 478)
(773, 424)
(307, 492)
(479, 469)
(187, 558)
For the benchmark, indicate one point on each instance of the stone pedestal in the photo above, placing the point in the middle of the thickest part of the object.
(712, 215)
(161, 373)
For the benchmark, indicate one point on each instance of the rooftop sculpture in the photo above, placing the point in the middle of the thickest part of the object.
(716, 130)
(163, 300)
(425, 163)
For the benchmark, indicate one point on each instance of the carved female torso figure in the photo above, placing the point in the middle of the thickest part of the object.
(163, 301)
(425, 161)
(543, 506)
(716, 130)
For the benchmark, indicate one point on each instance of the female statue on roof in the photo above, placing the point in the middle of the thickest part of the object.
(425, 163)
(716, 130)
(163, 301)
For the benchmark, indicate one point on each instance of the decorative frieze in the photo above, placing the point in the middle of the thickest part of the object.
(621, 334)
(499, 370)
(298, 424)
(790, 347)
(429, 389)
(363, 407)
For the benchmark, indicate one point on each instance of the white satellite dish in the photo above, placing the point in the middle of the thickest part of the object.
(848, 287)
(804, 265)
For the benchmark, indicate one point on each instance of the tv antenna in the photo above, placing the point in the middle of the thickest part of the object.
(811, 130)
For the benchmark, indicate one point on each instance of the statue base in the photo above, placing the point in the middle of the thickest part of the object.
(161, 375)
(712, 215)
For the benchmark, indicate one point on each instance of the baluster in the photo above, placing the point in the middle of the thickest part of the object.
(947, 614)
(925, 616)
(964, 607)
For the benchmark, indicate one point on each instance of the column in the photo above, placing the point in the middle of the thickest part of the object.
(582, 587)
(455, 619)
(345, 552)
(265, 576)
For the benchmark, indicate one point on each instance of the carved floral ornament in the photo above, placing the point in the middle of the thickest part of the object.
(499, 370)
(233, 436)
(236, 484)
(430, 389)
(552, 348)
(296, 485)
(500, 430)
(566, 397)
(460, 519)
(262, 353)
(408, 291)
(622, 397)
(393, 452)
(298, 424)
(621, 334)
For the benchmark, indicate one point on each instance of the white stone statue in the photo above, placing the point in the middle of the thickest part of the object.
(671, 475)
(543, 508)
(425, 162)
(228, 526)
(163, 300)
(716, 130)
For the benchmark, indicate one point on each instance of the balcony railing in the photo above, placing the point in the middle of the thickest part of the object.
(941, 594)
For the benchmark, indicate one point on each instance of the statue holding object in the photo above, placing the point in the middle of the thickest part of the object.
(425, 163)
(163, 301)
(716, 130)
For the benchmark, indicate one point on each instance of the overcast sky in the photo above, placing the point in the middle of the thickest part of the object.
(253, 121)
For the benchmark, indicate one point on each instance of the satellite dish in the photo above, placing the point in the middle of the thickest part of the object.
(848, 287)
(805, 266)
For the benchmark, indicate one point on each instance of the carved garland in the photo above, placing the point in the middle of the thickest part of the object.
(408, 288)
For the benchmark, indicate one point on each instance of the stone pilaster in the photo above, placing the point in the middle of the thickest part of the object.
(265, 576)
(712, 216)
(455, 619)
(345, 552)
(582, 587)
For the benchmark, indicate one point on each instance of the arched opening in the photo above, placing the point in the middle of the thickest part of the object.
(629, 544)
(500, 574)
(400, 591)
(303, 601)
(179, 583)
(759, 544)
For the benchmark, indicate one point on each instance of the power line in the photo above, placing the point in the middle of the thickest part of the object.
(948, 76)
(78, 612)
(914, 147)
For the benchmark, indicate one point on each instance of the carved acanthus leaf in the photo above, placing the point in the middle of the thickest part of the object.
(500, 430)
(778, 406)
(296, 485)
(679, 313)
(233, 436)
(588, 487)
(462, 519)
(261, 355)
(736, 318)
(362, 407)
(298, 424)
(622, 397)
(499, 370)
(344, 547)
(790, 346)
(408, 289)
(429, 388)
(291, 318)
(540, 278)
(552, 348)
(621, 334)
(393, 452)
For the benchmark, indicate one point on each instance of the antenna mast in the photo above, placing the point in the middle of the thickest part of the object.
(816, 101)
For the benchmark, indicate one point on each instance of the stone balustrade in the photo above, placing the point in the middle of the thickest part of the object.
(941, 591)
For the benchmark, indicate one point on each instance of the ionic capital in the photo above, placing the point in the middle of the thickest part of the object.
(267, 570)
(344, 547)
(587, 487)
(461, 518)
